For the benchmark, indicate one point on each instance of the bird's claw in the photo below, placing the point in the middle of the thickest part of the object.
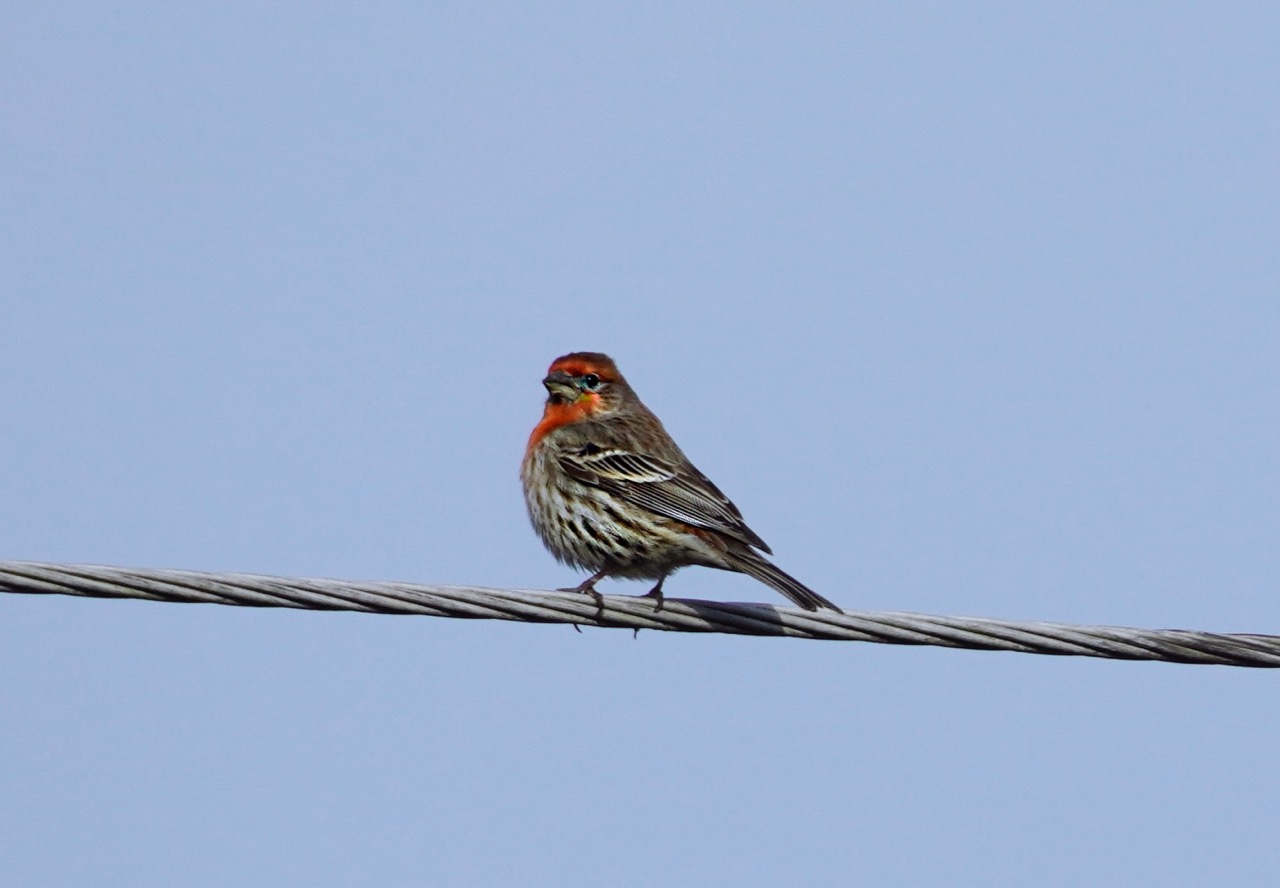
(589, 588)
(656, 593)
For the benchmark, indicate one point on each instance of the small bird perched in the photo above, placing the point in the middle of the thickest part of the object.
(608, 490)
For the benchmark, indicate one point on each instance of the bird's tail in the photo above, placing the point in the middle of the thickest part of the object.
(748, 562)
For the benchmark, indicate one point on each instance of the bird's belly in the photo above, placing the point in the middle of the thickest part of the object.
(591, 528)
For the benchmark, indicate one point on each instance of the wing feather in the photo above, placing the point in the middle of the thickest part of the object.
(674, 491)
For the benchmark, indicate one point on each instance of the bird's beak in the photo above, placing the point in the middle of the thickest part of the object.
(560, 383)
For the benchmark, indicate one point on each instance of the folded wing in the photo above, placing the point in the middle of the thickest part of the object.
(679, 492)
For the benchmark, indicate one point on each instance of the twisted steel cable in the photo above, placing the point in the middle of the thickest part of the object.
(677, 615)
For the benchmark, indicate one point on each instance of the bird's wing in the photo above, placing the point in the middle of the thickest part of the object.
(675, 491)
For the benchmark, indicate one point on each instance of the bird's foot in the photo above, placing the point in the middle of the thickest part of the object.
(588, 586)
(656, 592)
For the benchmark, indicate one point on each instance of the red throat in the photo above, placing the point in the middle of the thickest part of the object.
(558, 414)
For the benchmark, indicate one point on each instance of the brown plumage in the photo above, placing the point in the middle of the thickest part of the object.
(609, 491)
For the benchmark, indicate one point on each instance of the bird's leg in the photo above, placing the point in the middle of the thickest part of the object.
(589, 587)
(656, 592)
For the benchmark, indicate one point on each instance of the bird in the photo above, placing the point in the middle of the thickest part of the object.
(609, 491)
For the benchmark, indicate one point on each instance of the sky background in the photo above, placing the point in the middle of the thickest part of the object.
(973, 309)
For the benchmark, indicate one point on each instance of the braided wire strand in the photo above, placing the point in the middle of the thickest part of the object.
(677, 615)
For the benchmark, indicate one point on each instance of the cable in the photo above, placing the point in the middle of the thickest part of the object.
(677, 615)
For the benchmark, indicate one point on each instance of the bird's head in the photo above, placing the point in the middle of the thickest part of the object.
(584, 383)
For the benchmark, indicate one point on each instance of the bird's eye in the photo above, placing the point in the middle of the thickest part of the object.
(591, 381)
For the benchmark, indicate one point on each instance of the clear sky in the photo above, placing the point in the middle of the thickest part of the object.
(972, 309)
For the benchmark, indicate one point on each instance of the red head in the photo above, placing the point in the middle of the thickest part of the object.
(589, 380)
(579, 385)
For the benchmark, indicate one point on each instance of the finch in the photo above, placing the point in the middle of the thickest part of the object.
(610, 492)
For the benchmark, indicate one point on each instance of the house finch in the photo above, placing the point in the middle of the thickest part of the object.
(608, 490)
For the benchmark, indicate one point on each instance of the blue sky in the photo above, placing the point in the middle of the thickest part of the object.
(971, 311)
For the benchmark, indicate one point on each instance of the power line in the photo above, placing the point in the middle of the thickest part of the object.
(626, 612)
